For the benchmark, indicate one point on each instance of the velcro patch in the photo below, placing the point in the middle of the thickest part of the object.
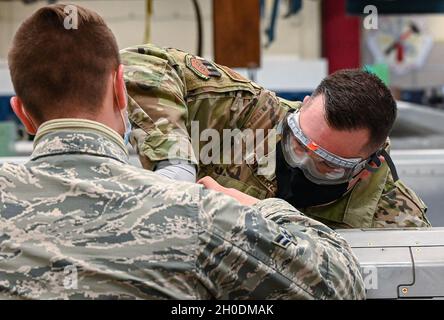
(202, 68)
(234, 75)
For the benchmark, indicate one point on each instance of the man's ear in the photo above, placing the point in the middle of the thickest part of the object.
(120, 89)
(19, 110)
(306, 98)
(365, 173)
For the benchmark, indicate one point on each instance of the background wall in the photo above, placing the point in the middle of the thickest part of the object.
(173, 24)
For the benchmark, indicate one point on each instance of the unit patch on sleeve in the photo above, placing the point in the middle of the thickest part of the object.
(202, 68)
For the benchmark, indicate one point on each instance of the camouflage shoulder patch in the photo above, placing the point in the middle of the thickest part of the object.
(234, 75)
(202, 68)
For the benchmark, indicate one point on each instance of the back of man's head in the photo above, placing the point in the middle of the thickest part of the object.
(60, 69)
(356, 99)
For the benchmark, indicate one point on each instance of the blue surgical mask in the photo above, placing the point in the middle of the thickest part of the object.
(127, 124)
(125, 117)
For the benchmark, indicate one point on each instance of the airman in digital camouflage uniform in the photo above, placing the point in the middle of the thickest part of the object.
(169, 89)
(78, 222)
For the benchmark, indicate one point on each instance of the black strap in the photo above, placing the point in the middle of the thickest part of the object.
(374, 158)
(391, 165)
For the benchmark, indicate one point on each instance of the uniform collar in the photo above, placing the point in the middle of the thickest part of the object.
(62, 136)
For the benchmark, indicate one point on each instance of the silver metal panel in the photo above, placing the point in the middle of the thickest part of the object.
(406, 263)
(429, 274)
(384, 269)
(381, 238)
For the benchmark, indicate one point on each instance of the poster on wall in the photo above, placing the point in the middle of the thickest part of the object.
(403, 43)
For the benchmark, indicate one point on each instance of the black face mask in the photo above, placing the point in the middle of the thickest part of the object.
(300, 192)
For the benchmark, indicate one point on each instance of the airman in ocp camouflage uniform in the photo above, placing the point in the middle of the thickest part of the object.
(78, 222)
(168, 89)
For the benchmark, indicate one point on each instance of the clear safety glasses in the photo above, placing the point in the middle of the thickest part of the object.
(319, 165)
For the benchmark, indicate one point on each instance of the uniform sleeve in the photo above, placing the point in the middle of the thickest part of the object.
(400, 207)
(272, 251)
(180, 172)
(156, 106)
